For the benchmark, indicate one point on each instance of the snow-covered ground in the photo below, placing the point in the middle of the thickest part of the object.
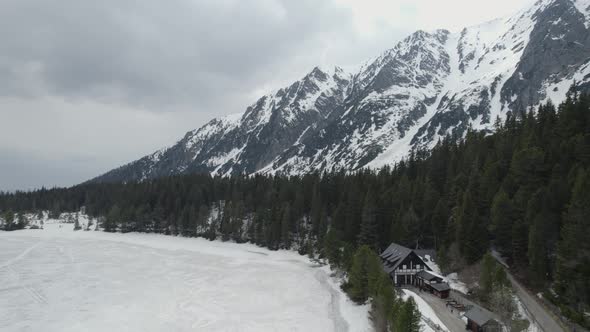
(426, 311)
(452, 279)
(56, 279)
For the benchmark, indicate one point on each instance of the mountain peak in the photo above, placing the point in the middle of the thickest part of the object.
(428, 86)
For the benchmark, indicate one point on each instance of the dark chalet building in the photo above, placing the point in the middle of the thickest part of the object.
(482, 320)
(402, 264)
(406, 267)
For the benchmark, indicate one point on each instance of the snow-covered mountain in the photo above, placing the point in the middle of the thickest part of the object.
(428, 86)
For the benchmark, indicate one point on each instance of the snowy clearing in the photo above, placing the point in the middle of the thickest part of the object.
(60, 280)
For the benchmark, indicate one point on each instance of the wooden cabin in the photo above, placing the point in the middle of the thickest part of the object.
(433, 284)
(482, 320)
(442, 290)
(402, 264)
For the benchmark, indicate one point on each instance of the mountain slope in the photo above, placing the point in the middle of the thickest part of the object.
(428, 86)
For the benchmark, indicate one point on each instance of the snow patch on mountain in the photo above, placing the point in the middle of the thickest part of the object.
(430, 85)
(556, 90)
(583, 6)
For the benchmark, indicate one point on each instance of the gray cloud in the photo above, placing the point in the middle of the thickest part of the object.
(157, 53)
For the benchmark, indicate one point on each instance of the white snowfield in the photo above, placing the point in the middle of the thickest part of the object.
(60, 280)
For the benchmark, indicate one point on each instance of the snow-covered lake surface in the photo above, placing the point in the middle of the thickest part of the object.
(60, 280)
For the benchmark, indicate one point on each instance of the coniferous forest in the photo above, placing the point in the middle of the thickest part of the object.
(523, 191)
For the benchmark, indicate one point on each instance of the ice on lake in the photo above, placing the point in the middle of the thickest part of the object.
(60, 280)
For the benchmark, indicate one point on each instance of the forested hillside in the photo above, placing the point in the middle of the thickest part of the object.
(524, 190)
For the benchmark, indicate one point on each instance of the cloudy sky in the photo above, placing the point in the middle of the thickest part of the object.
(86, 86)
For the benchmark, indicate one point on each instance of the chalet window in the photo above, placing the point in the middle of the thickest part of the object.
(404, 267)
(417, 266)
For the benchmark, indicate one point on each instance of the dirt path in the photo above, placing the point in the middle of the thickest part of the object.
(340, 324)
(543, 319)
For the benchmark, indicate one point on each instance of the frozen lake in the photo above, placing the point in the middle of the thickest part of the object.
(60, 280)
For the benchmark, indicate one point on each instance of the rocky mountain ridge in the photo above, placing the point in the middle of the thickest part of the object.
(428, 86)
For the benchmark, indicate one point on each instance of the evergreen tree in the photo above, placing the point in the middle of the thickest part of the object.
(286, 226)
(407, 317)
(382, 306)
(333, 247)
(22, 221)
(471, 234)
(316, 210)
(110, 223)
(523, 187)
(203, 218)
(439, 222)
(364, 275)
(519, 242)
(487, 276)
(9, 220)
(77, 226)
(501, 221)
(538, 218)
(226, 221)
(573, 261)
(368, 228)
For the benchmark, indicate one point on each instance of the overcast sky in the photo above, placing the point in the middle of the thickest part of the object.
(86, 86)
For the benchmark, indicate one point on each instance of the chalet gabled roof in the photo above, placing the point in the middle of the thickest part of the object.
(480, 315)
(394, 255)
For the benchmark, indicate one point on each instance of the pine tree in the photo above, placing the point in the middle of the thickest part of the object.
(573, 261)
(501, 222)
(286, 226)
(471, 234)
(333, 247)
(77, 226)
(9, 220)
(316, 211)
(487, 275)
(111, 222)
(226, 222)
(382, 306)
(368, 228)
(407, 317)
(523, 187)
(415, 315)
(410, 224)
(439, 223)
(237, 221)
(538, 219)
(22, 221)
(519, 243)
(363, 275)
(203, 218)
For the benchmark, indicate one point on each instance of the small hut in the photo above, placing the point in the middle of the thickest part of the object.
(482, 320)
(433, 283)
(441, 290)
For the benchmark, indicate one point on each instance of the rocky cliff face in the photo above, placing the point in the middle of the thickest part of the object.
(428, 86)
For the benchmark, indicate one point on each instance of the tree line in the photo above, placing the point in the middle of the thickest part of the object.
(523, 190)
